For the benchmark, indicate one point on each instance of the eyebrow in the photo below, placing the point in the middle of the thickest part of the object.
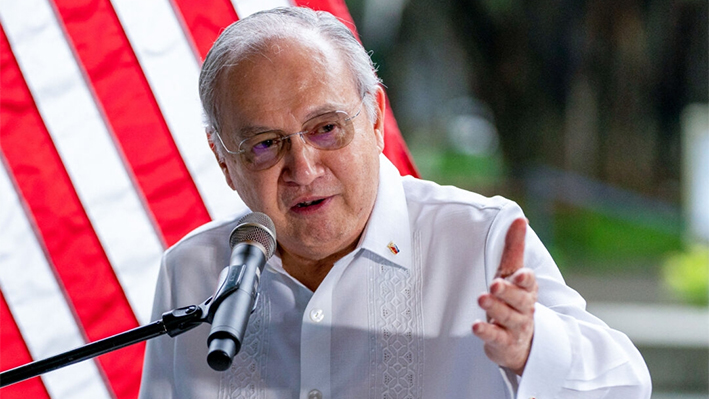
(250, 131)
(247, 132)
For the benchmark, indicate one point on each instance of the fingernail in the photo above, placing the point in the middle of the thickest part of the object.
(485, 301)
(477, 325)
(497, 287)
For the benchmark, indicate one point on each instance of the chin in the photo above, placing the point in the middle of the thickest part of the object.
(320, 245)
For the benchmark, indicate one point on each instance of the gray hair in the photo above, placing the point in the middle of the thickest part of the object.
(246, 37)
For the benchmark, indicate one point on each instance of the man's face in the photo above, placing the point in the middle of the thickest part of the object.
(319, 200)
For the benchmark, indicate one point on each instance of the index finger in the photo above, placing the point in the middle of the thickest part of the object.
(513, 253)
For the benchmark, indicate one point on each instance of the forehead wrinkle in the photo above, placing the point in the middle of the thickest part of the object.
(322, 55)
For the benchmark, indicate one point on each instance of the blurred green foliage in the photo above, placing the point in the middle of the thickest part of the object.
(450, 167)
(687, 274)
(600, 243)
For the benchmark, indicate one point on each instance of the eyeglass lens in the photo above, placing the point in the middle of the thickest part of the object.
(330, 131)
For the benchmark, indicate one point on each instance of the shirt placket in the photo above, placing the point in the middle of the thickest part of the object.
(315, 346)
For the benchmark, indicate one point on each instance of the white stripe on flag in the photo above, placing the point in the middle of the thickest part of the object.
(244, 8)
(172, 71)
(37, 304)
(86, 148)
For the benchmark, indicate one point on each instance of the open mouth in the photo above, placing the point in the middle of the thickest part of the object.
(311, 206)
(309, 203)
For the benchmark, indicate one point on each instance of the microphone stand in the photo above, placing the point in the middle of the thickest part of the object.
(173, 323)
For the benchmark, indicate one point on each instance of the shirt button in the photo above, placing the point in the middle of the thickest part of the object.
(314, 394)
(317, 315)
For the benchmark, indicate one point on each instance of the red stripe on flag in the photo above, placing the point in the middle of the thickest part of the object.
(337, 8)
(205, 20)
(134, 117)
(15, 354)
(73, 248)
(394, 146)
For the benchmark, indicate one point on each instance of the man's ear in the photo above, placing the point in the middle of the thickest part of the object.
(379, 122)
(220, 157)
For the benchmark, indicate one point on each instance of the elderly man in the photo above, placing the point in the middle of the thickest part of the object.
(382, 286)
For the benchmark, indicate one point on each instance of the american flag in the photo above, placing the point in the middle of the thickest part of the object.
(104, 164)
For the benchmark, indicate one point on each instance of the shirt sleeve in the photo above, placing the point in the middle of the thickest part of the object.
(573, 354)
(156, 382)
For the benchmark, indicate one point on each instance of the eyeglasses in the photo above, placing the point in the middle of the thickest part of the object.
(330, 131)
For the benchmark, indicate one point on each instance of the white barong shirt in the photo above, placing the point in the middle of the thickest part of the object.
(393, 318)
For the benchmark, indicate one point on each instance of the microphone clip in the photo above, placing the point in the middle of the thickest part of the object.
(230, 280)
(180, 320)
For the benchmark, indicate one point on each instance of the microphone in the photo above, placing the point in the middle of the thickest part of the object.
(253, 242)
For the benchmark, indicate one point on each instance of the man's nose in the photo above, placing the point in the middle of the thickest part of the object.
(302, 162)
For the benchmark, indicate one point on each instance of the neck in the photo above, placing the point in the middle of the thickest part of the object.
(311, 272)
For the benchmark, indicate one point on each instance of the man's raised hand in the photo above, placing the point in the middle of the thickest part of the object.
(509, 305)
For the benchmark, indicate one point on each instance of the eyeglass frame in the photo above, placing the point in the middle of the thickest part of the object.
(287, 137)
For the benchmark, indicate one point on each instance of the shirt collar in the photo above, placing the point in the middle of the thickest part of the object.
(387, 234)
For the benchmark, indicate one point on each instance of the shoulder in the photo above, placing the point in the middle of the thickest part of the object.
(458, 221)
(190, 268)
(429, 201)
(211, 234)
(462, 224)
(206, 247)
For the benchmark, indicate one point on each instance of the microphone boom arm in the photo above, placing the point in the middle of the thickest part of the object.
(173, 323)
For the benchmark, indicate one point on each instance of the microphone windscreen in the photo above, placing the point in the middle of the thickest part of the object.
(256, 227)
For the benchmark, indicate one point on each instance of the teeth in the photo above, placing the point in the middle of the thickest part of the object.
(304, 204)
